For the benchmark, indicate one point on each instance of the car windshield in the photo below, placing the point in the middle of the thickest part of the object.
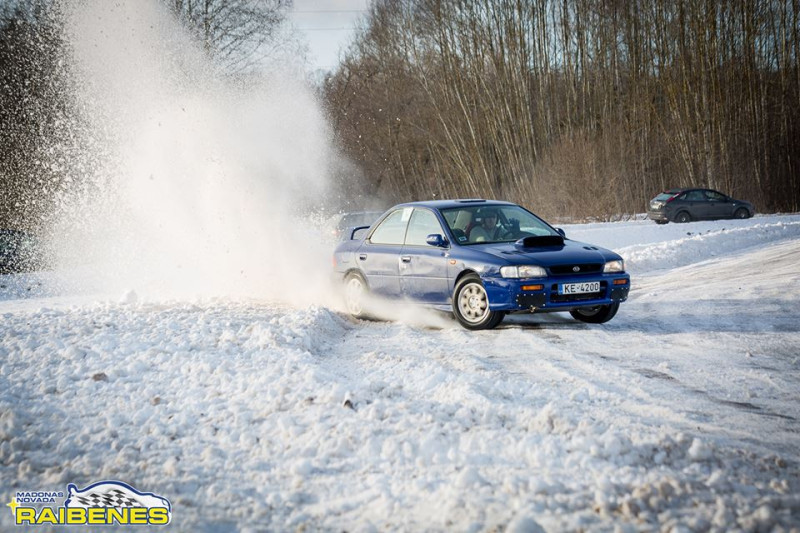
(489, 223)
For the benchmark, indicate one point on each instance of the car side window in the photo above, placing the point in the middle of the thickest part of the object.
(714, 196)
(422, 224)
(393, 228)
(695, 196)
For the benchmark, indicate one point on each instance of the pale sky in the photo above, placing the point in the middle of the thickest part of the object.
(327, 26)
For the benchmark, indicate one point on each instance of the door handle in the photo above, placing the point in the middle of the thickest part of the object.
(405, 258)
(362, 257)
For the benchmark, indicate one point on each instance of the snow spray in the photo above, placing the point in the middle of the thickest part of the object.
(197, 182)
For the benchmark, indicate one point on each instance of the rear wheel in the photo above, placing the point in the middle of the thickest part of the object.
(597, 314)
(742, 213)
(471, 305)
(683, 217)
(355, 294)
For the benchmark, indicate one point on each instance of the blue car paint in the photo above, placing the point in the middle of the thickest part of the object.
(430, 273)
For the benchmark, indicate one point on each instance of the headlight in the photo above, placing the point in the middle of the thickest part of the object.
(524, 271)
(614, 266)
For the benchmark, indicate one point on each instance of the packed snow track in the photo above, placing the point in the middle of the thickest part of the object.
(682, 412)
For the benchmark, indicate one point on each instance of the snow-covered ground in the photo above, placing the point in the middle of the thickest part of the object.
(680, 414)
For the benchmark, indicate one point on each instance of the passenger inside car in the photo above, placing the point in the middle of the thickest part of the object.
(461, 225)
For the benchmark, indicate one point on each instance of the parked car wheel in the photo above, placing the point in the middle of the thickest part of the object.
(742, 213)
(595, 315)
(683, 217)
(471, 304)
(355, 295)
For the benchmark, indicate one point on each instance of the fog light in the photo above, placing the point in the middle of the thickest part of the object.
(620, 282)
(532, 287)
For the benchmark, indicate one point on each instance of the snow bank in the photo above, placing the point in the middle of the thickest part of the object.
(696, 247)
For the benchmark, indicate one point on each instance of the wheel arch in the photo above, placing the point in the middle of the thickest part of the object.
(681, 211)
(461, 275)
(357, 271)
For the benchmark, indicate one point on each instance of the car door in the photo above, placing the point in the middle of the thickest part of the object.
(423, 268)
(696, 204)
(719, 205)
(379, 256)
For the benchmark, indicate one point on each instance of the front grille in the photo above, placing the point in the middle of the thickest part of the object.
(588, 268)
(561, 298)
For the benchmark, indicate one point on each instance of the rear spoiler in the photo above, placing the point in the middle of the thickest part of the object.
(354, 230)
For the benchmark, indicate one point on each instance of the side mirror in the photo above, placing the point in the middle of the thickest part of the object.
(434, 239)
(562, 232)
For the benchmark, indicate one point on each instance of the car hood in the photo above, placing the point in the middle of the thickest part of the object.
(570, 252)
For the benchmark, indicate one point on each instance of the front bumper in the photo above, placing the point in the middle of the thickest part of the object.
(517, 295)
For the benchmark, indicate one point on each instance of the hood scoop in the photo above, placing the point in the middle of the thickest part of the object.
(540, 241)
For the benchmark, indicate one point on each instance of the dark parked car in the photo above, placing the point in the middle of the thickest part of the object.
(348, 221)
(685, 205)
(480, 260)
(18, 252)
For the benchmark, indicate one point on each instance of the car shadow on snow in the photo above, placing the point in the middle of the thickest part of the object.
(543, 321)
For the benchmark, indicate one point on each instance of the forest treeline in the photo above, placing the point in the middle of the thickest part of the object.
(580, 108)
(574, 108)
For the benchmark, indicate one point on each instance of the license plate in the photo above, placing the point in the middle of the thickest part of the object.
(579, 288)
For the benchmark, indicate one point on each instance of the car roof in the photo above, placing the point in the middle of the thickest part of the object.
(447, 204)
(685, 189)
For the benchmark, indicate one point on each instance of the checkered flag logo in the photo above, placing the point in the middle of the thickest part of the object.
(112, 494)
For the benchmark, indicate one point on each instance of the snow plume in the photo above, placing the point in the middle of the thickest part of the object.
(199, 182)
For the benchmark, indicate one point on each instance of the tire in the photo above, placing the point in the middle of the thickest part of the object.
(683, 217)
(356, 292)
(741, 213)
(595, 315)
(471, 304)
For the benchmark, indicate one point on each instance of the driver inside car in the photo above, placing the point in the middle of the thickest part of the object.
(488, 231)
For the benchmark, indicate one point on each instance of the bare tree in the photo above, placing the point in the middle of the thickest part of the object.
(575, 107)
(236, 33)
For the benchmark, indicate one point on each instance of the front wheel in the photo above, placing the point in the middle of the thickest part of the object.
(471, 305)
(598, 314)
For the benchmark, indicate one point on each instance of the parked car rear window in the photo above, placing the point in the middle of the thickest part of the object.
(350, 220)
(695, 196)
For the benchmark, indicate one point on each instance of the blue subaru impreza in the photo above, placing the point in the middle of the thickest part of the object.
(479, 259)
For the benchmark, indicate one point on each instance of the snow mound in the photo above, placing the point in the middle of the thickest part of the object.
(696, 247)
